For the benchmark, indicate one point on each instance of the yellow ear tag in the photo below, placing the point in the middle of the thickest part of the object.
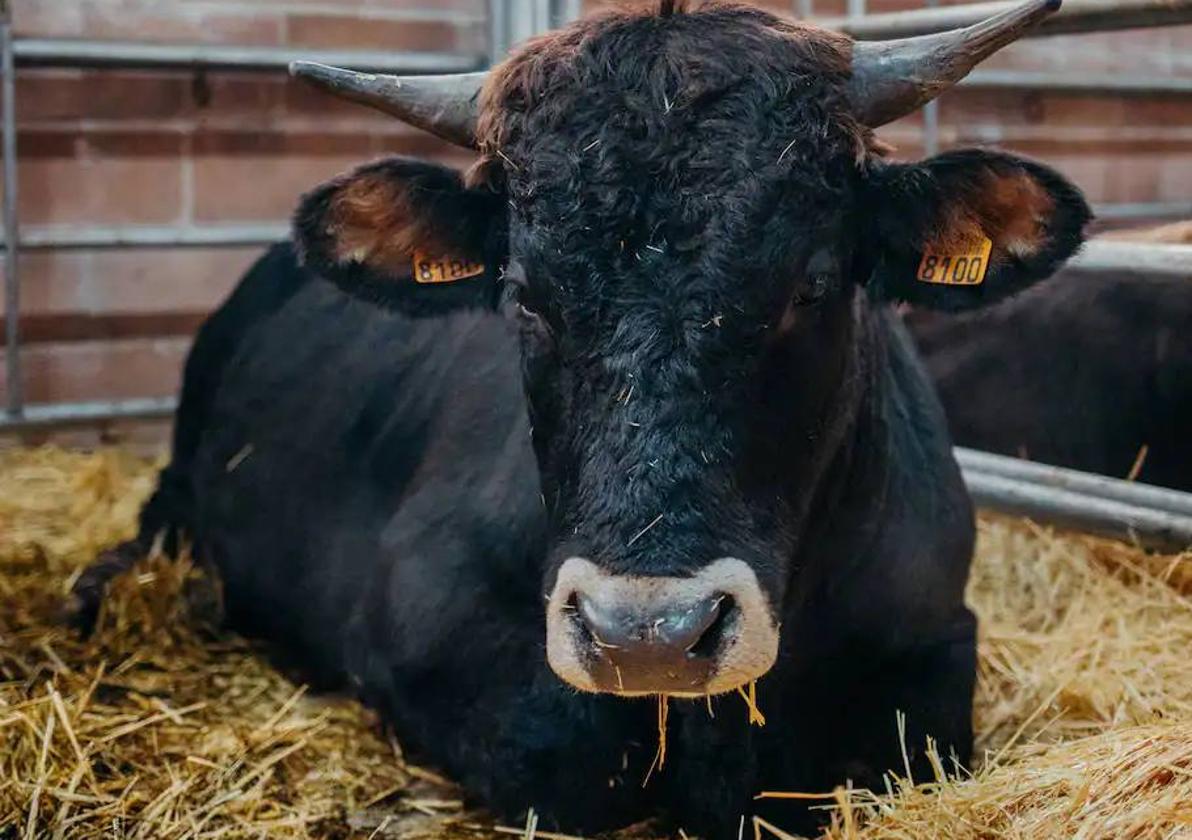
(443, 270)
(965, 267)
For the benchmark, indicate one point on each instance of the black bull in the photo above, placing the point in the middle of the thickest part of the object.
(1088, 372)
(636, 383)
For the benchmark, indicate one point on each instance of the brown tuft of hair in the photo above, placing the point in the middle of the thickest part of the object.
(1012, 210)
(373, 220)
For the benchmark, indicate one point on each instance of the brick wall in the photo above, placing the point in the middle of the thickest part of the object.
(117, 147)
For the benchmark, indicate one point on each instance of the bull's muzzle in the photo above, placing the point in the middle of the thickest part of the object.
(704, 634)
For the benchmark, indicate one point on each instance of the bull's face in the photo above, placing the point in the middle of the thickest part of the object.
(678, 268)
(690, 218)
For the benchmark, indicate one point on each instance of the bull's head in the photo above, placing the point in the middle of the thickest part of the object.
(691, 217)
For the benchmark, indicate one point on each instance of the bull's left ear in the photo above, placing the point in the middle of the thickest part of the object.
(968, 228)
(404, 234)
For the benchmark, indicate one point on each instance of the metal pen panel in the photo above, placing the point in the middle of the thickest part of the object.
(12, 279)
(84, 237)
(72, 52)
(1076, 16)
(1062, 478)
(1150, 527)
(65, 415)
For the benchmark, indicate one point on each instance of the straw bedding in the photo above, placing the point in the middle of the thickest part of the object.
(162, 726)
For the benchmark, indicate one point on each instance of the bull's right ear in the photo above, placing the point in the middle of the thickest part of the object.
(405, 234)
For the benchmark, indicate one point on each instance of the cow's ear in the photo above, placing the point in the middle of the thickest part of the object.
(968, 228)
(405, 234)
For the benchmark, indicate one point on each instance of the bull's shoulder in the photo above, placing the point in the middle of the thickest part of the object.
(340, 383)
(902, 534)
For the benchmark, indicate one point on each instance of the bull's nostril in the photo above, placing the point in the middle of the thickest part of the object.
(708, 644)
(604, 629)
(689, 631)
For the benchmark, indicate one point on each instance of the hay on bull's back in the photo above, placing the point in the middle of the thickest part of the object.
(163, 727)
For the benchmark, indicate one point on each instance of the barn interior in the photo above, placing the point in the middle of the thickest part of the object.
(154, 148)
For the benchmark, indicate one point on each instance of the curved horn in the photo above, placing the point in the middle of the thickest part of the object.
(446, 106)
(893, 78)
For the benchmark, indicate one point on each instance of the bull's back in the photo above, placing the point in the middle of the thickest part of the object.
(343, 441)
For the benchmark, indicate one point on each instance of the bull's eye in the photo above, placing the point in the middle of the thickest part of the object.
(525, 308)
(520, 306)
(515, 299)
(812, 289)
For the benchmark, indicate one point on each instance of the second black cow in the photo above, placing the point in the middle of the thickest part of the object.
(623, 412)
(1091, 372)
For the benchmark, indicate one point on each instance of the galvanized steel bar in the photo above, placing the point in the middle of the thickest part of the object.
(1132, 260)
(62, 415)
(543, 14)
(931, 113)
(70, 52)
(567, 11)
(1089, 484)
(1144, 210)
(12, 279)
(1092, 84)
(152, 236)
(498, 29)
(1159, 529)
(1076, 16)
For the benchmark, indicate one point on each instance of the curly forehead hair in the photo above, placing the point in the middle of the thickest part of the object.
(708, 61)
(634, 45)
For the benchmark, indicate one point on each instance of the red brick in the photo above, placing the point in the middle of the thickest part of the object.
(98, 145)
(117, 178)
(248, 97)
(54, 282)
(356, 32)
(136, 281)
(259, 176)
(478, 7)
(62, 18)
(411, 7)
(76, 326)
(249, 143)
(167, 279)
(147, 20)
(66, 95)
(1174, 182)
(128, 191)
(152, 20)
(101, 370)
(259, 188)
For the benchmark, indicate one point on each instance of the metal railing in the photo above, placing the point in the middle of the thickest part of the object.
(136, 55)
(519, 19)
(12, 285)
(1074, 17)
(1154, 517)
